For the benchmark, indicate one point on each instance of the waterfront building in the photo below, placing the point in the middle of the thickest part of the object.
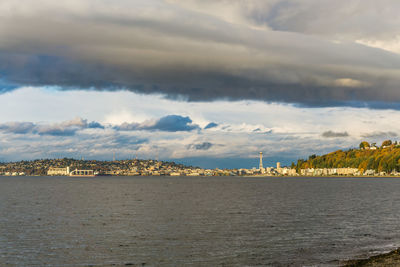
(58, 171)
(292, 172)
(330, 171)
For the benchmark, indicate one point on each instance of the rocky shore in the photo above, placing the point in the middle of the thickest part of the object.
(388, 260)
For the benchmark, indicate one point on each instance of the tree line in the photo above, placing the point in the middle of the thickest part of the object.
(385, 158)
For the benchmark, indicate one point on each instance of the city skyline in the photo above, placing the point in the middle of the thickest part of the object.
(204, 83)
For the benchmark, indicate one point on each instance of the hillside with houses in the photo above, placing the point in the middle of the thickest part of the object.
(368, 159)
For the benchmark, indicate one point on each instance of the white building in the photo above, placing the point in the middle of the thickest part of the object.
(58, 171)
(329, 171)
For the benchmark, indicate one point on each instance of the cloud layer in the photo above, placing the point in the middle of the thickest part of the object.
(291, 51)
(169, 123)
(151, 126)
(66, 128)
(332, 134)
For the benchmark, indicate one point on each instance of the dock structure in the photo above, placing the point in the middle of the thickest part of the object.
(82, 173)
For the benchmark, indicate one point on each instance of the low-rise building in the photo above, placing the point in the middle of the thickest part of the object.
(58, 171)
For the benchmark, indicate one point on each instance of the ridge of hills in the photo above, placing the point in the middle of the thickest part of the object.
(385, 158)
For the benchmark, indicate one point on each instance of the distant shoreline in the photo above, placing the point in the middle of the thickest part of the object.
(204, 176)
(320, 176)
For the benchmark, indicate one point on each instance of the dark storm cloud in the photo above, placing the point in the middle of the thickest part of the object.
(174, 123)
(202, 146)
(332, 134)
(170, 47)
(17, 127)
(67, 128)
(170, 123)
(94, 125)
(341, 18)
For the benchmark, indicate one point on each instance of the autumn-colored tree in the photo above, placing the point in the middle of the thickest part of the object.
(381, 159)
(386, 143)
(364, 144)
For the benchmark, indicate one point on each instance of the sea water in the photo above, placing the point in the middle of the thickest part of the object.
(183, 221)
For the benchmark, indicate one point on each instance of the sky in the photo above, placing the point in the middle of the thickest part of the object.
(208, 83)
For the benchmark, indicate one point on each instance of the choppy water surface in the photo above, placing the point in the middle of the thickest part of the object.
(195, 221)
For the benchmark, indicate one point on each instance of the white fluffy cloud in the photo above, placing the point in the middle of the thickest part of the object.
(242, 129)
(236, 61)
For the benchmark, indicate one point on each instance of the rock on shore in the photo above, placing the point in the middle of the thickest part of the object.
(390, 259)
